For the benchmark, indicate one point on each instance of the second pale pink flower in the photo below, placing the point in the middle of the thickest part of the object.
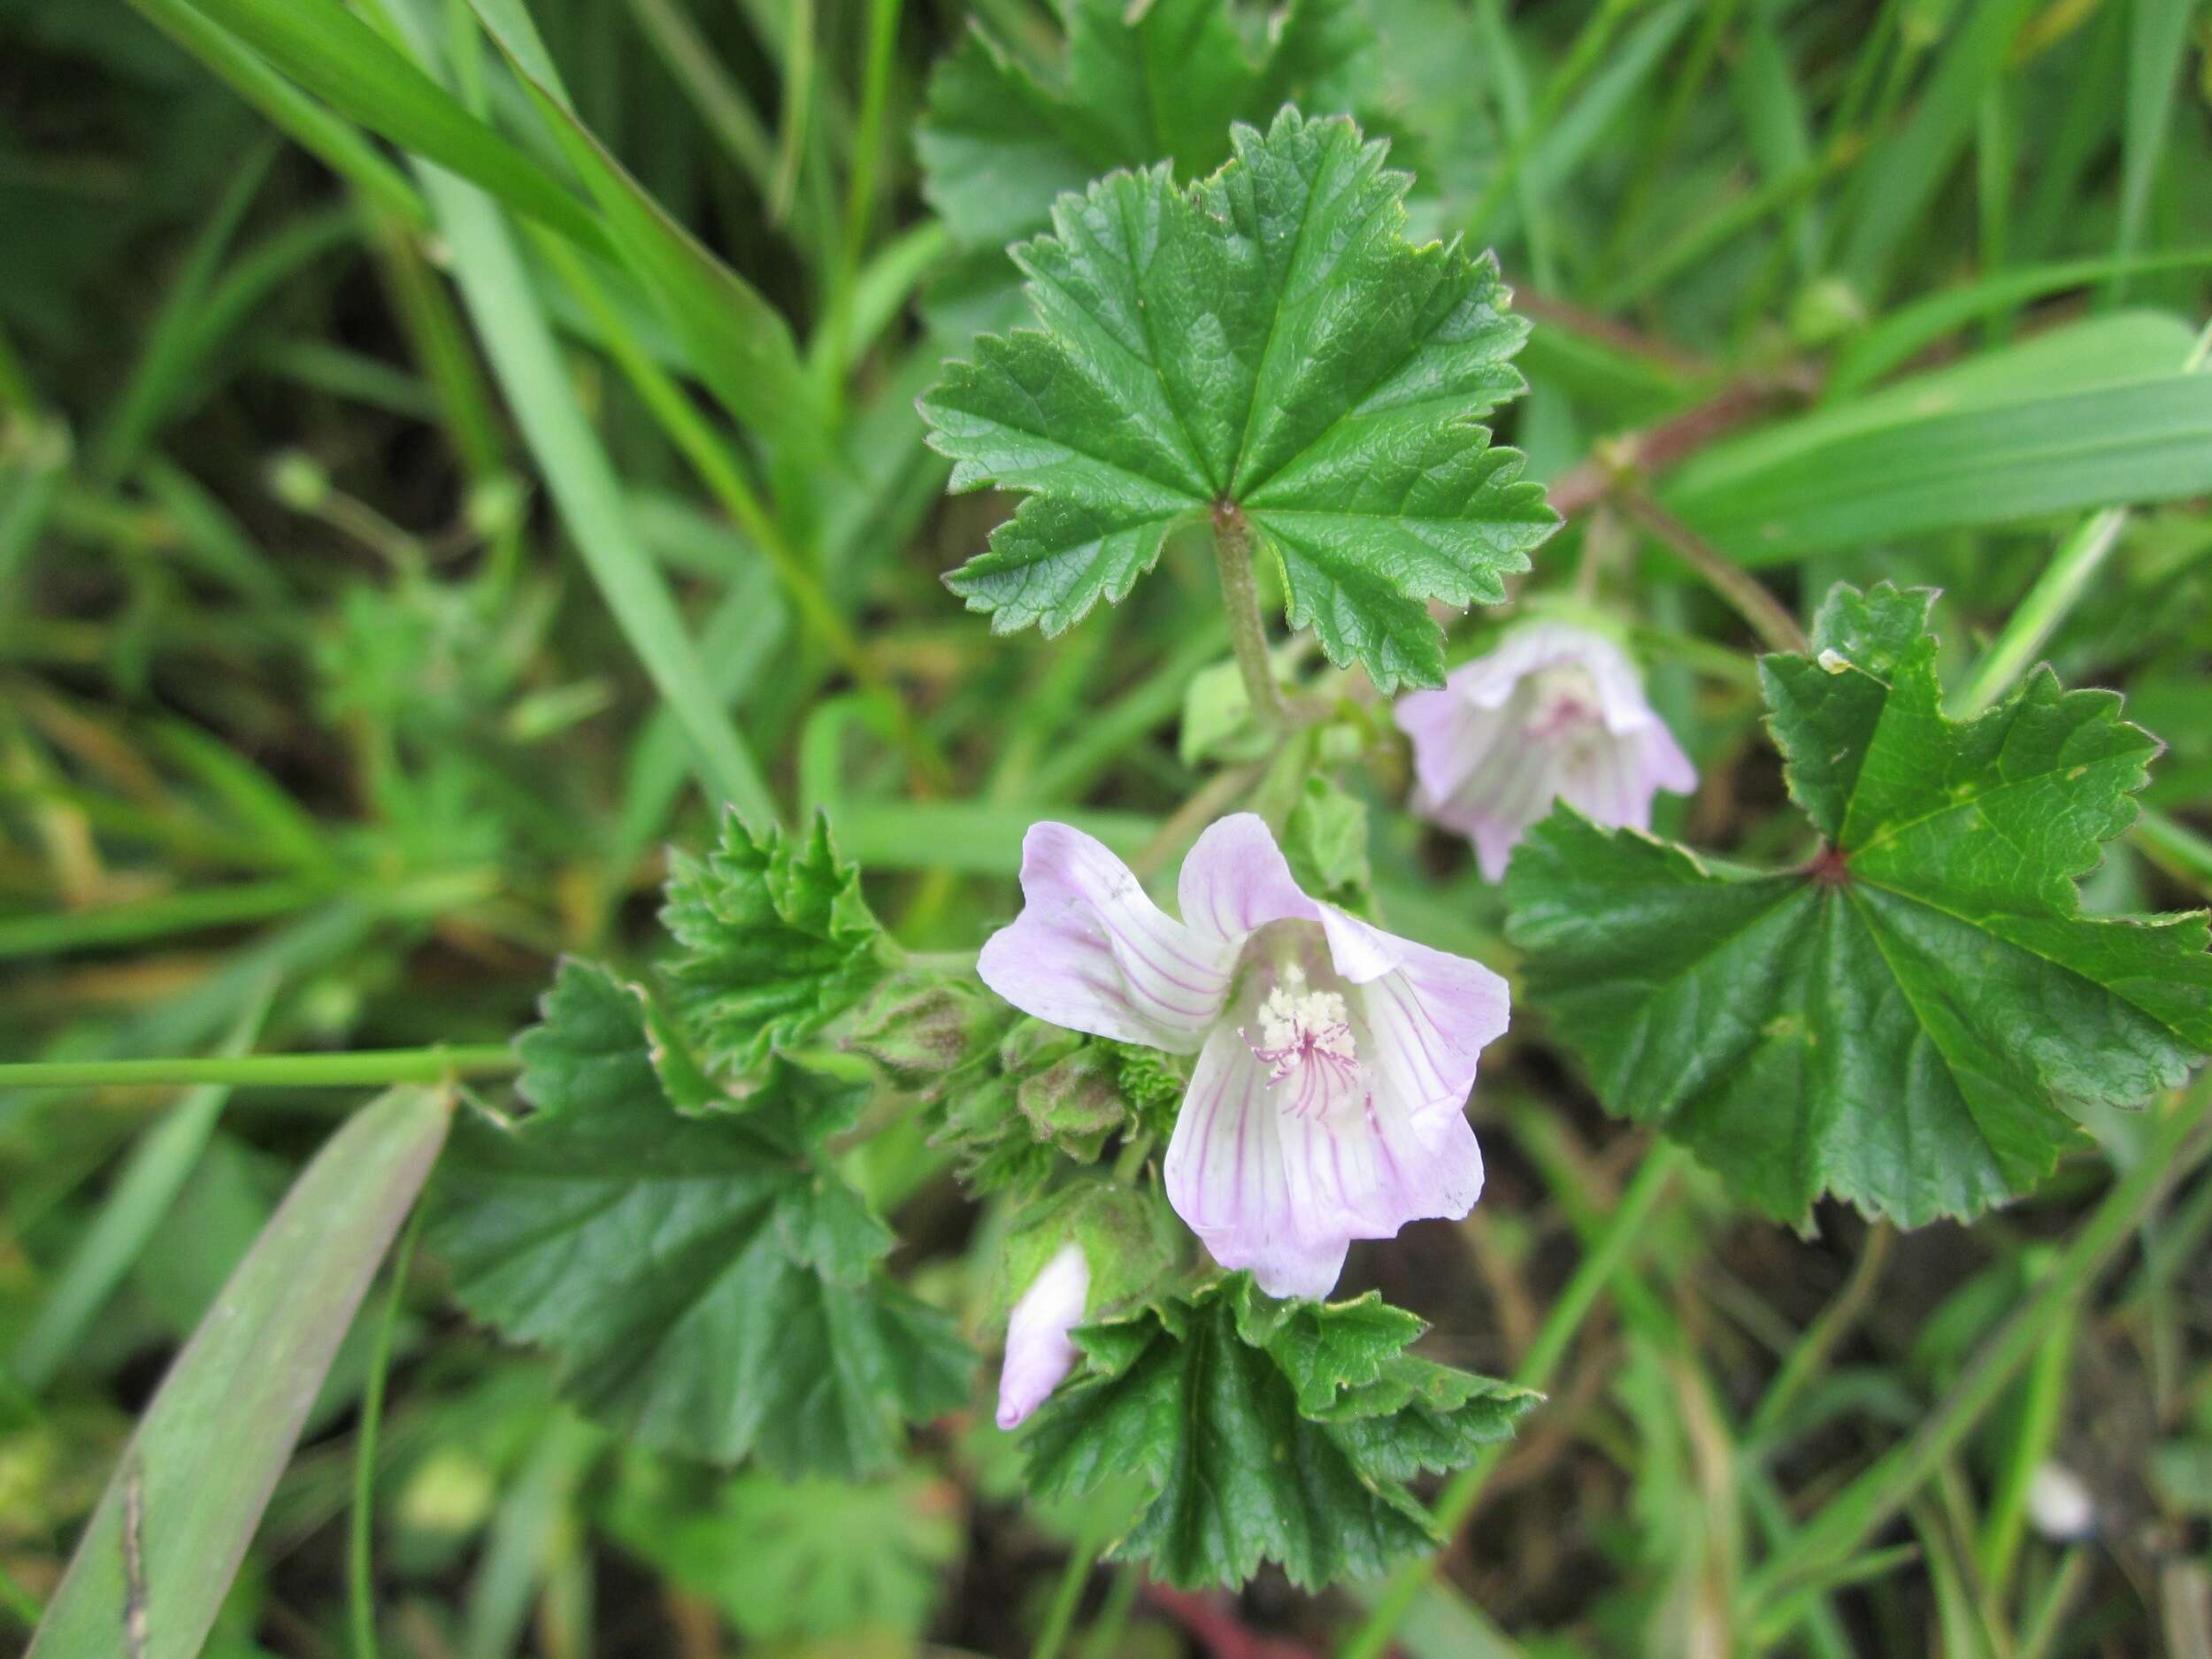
(1556, 712)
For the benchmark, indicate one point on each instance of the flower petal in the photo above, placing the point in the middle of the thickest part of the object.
(1091, 952)
(1039, 1355)
(1427, 1023)
(1452, 738)
(1236, 880)
(1224, 1176)
(1283, 1193)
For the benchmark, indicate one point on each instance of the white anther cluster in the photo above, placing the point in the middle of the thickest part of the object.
(1296, 1024)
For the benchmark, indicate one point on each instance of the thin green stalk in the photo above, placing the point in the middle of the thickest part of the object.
(2039, 1635)
(860, 184)
(145, 1190)
(362, 1069)
(2174, 847)
(526, 361)
(1104, 1640)
(1247, 628)
(360, 1573)
(1066, 1597)
(1849, 1518)
(1584, 55)
(714, 465)
(1658, 147)
(1997, 1548)
(1807, 1360)
(798, 109)
(1624, 1230)
(1744, 592)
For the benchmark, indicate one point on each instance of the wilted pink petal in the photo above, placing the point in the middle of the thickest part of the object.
(1329, 1099)
(1556, 712)
(1091, 952)
(1039, 1355)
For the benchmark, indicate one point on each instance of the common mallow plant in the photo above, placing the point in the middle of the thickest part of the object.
(1178, 1122)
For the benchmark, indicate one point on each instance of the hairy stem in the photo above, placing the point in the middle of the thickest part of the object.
(367, 1069)
(1752, 601)
(1248, 629)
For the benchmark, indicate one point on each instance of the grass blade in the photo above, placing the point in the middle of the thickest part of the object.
(342, 60)
(142, 1193)
(528, 363)
(159, 1553)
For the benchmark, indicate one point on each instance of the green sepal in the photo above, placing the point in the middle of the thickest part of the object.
(1129, 1238)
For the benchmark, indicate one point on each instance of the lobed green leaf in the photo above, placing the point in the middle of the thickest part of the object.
(1268, 1430)
(1266, 347)
(708, 1285)
(1912, 1020)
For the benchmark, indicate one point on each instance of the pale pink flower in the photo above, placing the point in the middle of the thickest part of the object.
(1039, 1355)
(1556, 712)
(1334, 1060)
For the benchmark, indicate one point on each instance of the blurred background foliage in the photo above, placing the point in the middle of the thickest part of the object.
(386, 573)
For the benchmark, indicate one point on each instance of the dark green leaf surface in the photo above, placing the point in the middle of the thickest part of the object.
(707, 1283)
(1269, 343)
(1269, 1431)
(1908, 1022)
(998, 142)
(776, 941)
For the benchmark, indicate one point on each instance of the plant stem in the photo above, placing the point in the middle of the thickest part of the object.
(2037, 615)
(360, 1576)
(1065, 1599)
(1849, 1518)
(1752, 601)
(1248, 629)
(1624, 1229)
(1806, 1360)
(368, 1068)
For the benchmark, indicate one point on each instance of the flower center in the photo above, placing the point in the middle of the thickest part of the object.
(1304, 1037)
(1563, 702)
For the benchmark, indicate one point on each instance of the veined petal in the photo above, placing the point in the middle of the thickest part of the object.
(1553, 711)
(1235, 880)
(1427, 1023)
(1224, 1176)
(1283, 1192)
(1091, 952)
(1039, 1355)
(1452, 737)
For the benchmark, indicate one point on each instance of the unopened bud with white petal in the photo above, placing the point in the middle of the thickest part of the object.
(1039, 1353)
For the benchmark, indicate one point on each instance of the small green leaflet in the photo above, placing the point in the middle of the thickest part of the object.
(776, 942)
(1266, 345)
(707, 1284)
(1908, 1021)
(1139, 86)
(1268, 1430)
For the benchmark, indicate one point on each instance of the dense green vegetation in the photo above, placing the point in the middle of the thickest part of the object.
(549, 562)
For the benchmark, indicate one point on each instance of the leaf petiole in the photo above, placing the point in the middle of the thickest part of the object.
(1247, 628)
